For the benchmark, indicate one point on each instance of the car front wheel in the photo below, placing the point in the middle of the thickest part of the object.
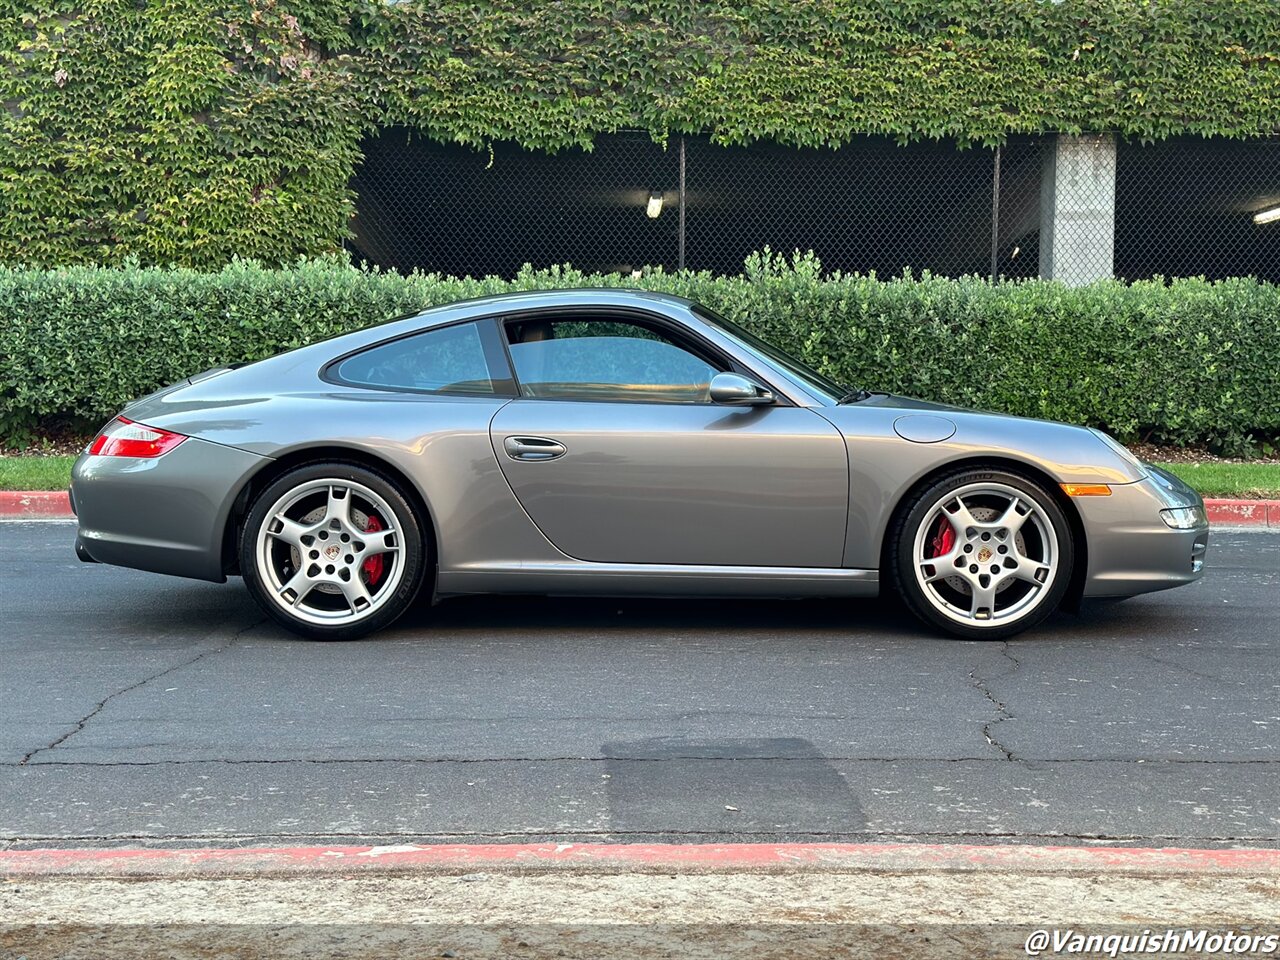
(983, 554)
(332, 551)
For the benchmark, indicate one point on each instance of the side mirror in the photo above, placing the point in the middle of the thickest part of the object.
(735, 390)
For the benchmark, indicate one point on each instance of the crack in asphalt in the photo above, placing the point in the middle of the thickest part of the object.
(1003, 713)
(540, 835)
(101, 704)
(622, 718)
(1187, 670)
(264, 761)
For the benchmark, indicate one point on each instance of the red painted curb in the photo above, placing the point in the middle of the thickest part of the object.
(54, 504)
(1273, 514)
(632, 858)
(35, 503)
(1243, 513)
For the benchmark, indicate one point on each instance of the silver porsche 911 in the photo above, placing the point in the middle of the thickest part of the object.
(613, 442)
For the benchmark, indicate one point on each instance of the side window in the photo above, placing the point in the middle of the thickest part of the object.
(605, 359)
(448, 360)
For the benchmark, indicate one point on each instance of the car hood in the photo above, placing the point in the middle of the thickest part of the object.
(912, 403)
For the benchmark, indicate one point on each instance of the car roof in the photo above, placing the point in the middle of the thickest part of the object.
(576, 296)
(463, 310)
(308, 361)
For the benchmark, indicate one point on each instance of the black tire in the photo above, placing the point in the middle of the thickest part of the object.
(404, 522)
(922, 508)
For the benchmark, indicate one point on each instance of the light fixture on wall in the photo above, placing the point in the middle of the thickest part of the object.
(654, 208)
(1267, 216)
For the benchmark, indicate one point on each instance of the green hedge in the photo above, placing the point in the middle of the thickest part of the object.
(182, 132)
(1186, 362)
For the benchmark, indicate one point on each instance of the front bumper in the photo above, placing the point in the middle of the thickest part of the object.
(1131, 549)
(167, 514)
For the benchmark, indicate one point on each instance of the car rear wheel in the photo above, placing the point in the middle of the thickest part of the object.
(982, 554)
(333, 551)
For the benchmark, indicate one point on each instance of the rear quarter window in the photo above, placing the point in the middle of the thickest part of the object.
(448, 360)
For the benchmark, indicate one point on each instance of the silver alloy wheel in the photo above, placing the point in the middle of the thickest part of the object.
(997, 564)
(315, 546)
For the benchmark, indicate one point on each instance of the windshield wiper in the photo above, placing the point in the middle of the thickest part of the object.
(854, 396)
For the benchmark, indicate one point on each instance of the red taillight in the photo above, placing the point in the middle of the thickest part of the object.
(124, 438)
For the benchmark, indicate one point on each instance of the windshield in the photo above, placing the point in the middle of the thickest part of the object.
(823, 387)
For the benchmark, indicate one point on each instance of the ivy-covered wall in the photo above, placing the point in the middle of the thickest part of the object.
(173, 131)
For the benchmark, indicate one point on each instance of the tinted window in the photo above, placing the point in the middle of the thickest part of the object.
(450, 359)
(606, 360)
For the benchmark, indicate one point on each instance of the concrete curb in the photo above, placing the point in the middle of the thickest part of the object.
(635, 858)
(54, 505)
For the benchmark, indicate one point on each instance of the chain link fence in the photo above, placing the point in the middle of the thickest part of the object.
(454, 210)
(1193, 207)
(1076, 208)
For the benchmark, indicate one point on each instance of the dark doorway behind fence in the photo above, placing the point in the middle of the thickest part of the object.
(1184, 207)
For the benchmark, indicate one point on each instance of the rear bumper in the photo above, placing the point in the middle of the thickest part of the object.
(166, 515)
(1131, 549)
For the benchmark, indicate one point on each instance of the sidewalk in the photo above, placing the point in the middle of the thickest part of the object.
(574, 900)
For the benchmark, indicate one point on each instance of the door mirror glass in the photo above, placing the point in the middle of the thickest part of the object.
(736, 390)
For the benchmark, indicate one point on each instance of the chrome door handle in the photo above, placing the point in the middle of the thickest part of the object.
(533, 448)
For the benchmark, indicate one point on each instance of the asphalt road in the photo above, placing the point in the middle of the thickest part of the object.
(135, 708)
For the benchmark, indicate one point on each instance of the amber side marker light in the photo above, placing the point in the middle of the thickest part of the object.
(1086, 489)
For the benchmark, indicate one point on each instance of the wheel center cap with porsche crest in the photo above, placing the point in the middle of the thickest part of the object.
(984, 554)
(331, 552)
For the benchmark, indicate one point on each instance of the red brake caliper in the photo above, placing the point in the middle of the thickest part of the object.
(943, 540)
(373, 566)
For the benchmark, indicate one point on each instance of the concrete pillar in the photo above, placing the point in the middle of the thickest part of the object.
(1078, 208)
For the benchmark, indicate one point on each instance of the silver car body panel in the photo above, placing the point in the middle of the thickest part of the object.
(883, 465)
(682, 483)
(573, 578)
(166, 515)
(792, 499)
(1131, 550)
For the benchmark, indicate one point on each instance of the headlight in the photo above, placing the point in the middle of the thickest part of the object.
(1123, 452)
(1184, 518)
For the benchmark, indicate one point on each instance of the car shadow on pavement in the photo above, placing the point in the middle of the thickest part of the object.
(781, 786)
(631, 613)
(1137, 617)
(881, 618)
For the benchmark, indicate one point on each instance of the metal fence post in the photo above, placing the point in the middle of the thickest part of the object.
(681, 228)
(995, 218)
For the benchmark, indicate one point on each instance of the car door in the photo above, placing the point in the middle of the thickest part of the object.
(617, 453)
